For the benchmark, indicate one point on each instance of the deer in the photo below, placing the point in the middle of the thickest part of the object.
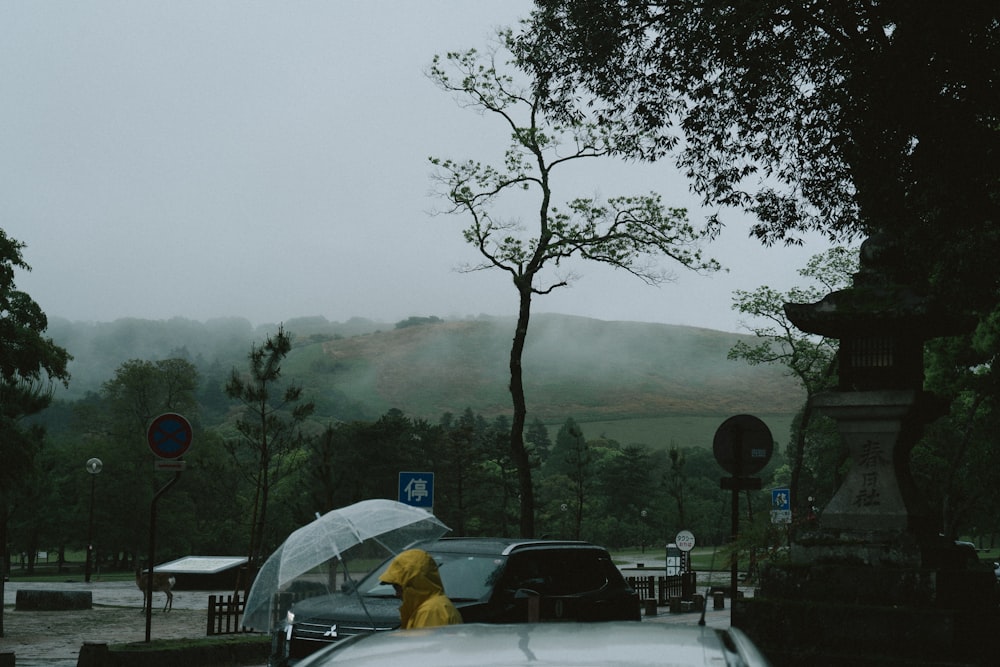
(161, 582)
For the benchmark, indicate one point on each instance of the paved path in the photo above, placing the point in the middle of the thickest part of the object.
(54, 638)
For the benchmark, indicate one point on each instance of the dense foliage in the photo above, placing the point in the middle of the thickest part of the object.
(839, 117)
(30, 364)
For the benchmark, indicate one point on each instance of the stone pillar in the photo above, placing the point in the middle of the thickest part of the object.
(877, 516)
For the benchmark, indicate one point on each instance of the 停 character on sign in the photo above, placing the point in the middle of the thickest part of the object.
(416, 489)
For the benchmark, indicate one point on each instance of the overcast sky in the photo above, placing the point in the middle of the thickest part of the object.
(269, 160)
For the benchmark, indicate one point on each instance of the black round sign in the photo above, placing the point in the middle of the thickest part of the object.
(743, 445)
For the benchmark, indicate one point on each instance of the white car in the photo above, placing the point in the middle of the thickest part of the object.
(551, 644)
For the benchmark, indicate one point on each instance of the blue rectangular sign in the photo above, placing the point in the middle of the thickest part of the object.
(781, 499)
(417, 489)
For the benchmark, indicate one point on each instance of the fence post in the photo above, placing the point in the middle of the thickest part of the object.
(211, 615)
(234, 613)
(688, 585)
(281, 603)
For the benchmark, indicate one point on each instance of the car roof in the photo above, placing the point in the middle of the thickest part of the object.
(626, 643)
(500, 546)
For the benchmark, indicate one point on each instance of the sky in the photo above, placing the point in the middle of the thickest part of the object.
(269, 160)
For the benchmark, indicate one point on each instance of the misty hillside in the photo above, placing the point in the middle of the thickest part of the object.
(633, 381)
(572, 366)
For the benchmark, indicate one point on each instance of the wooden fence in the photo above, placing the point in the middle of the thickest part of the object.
(225, 614)
(662, 589)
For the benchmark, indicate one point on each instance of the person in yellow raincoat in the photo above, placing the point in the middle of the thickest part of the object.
(414, 575)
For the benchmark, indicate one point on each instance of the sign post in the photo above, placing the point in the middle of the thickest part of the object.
(743, 446)
(685, 542)
(781, 506)
(168, 437)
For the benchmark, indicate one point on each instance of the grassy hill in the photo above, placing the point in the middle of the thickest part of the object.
(630, 381)
(633, 382)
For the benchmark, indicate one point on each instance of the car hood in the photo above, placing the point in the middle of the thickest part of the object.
(348, 607)
(553, 644)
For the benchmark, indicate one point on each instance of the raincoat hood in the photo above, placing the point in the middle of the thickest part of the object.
(417, 574)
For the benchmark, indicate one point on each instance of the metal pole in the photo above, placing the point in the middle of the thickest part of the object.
(94, 466)
(152, 552)
(90, 532)
(733, 570)
(738, 467)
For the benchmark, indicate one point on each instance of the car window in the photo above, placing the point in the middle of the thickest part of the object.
(469, 577)
(465, 577)
(557, 572)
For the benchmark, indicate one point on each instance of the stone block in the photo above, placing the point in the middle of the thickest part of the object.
(41, 600)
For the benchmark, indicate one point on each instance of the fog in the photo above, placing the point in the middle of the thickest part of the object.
(269, 161)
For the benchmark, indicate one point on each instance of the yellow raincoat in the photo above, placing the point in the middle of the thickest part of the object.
(424, 602)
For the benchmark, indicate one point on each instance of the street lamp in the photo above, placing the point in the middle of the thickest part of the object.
(94, 466)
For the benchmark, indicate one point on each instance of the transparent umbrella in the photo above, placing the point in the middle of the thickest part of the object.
(392, 525)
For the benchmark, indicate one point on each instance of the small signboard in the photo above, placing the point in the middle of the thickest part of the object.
(781, 506)
(416, 489)
(684, 540)
(169, 436)
(170, 464)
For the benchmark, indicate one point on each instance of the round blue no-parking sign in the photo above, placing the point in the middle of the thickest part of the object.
(169, 436)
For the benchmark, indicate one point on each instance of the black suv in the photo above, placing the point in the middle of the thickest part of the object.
(490, 580)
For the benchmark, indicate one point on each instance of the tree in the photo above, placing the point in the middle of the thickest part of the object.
(629, 233)
(502, 476)
(537, 436)
(29, 363)
(573, 459)
(675, 482)
(952, 460)
(626, 483)
(837, 117)
(270, 430)
(810, 359)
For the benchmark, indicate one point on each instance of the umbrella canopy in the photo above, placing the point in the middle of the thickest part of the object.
(393, 525)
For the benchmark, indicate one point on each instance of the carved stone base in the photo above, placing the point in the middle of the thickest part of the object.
(877, 515)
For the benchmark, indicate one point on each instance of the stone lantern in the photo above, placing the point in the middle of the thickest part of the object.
(872, 581)
(877, 516)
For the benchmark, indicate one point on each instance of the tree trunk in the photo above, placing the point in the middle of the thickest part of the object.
(4, 560)
(518, 452)
(798, 457)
